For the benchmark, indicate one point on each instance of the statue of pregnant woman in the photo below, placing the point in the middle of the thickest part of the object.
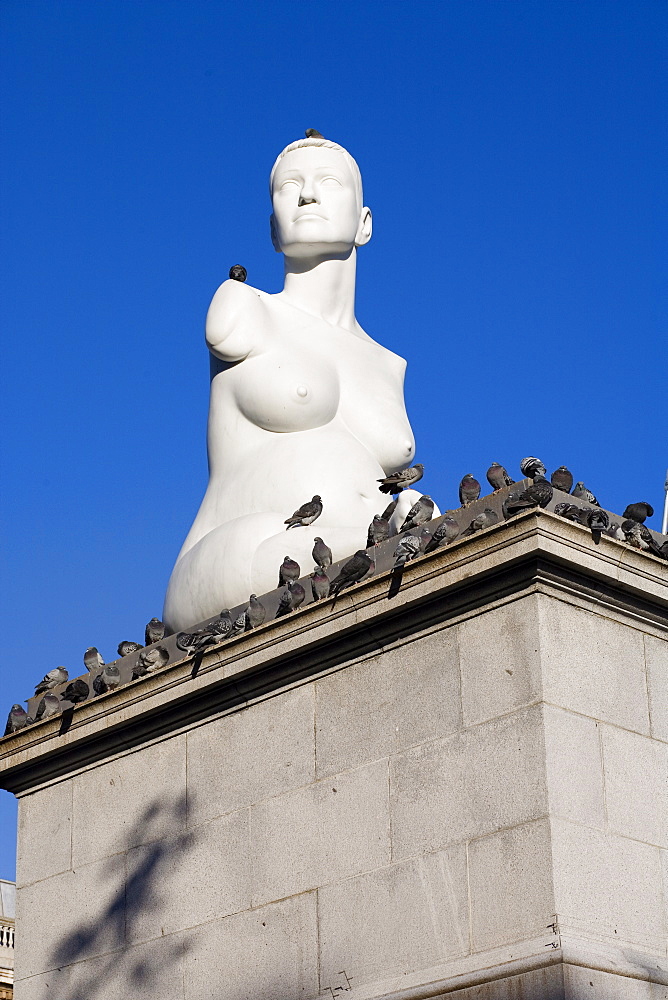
(303, 401)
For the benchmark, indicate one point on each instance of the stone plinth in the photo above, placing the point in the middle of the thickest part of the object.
(459, 790)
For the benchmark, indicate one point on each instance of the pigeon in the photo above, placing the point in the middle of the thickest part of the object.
(532, 467)
(51, 680)
(562, 479)
(538, 494)
(663, 549)
(155, 631)
(210, 635)
(297, 594)
(255, 612)
(92, 660)
(48, 707)
(351, 572)
(151, 659)
(319, 584)
(222, 626)
(108, 680)
(484, 520)
(497, 477)
(239, 624)
(445, 533)
(139, 670)
(285, 603)
(469, 490)
(77, 691)
(582, 493)
(407, 549)
(597, 521)
(639, 511)
(17, 719)
(126, 647)
(322, 554)
(570, 511)
(398, 481)
(306, 514)
(390, 509)
(379, 531)
(238, 272)
(421, 512)
(424, 539)
(312, 133)
(641, 537)
(288, 570)
(614, 531)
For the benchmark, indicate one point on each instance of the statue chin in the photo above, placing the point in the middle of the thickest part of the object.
(302, 402)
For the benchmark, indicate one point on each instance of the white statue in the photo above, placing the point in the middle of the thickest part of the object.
(303, 401)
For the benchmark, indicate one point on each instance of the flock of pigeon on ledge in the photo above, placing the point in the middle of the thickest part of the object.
(414, 539)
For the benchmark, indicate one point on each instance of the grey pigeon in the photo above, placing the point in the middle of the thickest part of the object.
(569, 511)
(390, 509)
(538, 494)
(222, 626)
(469, 490)
(614, 531)
(641, 537)
(51, 680)
(639, 511)
(297, 594)
(322, 554)
(497, 477)
(582, 493)
(306, 514)
(421, 512)
(92, 660)
(154, 632)
(445, 533)
(48, 706)
(597, 522)
(288, 570)
(151, 659)
(108, 680)
(485, 519)
(532, 467)
(210, 635)
(319, 584)
(285, 603)
(312, 133)
(255, 612)
(239, 624)
(17, 719)
(407, 549)
(562, 479)
(424, 539)
(379, 531)
(238, 272)
(77, 691)
(398, 481)
(351, 572)
(126, 647)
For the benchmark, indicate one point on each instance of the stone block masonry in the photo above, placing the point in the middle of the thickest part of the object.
(457, 791)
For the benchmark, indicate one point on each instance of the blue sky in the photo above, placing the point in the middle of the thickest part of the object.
(513, 154)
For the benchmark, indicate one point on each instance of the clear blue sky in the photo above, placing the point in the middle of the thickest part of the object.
(514, 156)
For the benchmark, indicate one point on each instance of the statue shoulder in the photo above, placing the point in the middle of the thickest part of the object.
(236, 307)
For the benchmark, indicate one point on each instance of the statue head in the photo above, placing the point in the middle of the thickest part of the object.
(316, 193)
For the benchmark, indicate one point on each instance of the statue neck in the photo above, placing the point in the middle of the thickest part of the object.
(324, 288)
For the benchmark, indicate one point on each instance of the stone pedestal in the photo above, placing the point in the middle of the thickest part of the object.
(460, 790)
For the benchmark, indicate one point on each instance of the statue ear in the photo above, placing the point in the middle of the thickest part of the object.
(274, 236)
(365, 228)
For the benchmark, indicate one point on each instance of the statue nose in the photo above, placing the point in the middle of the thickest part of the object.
(306, 198)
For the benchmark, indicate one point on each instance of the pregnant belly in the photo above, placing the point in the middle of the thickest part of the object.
(284, 398)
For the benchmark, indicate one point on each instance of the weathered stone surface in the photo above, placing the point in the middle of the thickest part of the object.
(52, 985)
(179, 882)
(266, 954)
(608, 886)
(593, 665)
(636, 785)
(250, 755)
(404, 696)
(45, 817)
(510, 876)
(656, 661)
(591, 984)
(325, 831)
(145, 972)
(500, 660)
(574, 767)
(469, 784)
(538, 984)
(395, 920)
(129, 801)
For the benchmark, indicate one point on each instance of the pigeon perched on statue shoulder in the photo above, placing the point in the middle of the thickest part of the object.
(306, 514)
(398, 481)
(238, 272)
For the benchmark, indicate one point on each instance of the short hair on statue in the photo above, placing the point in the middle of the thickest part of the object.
(326, 144)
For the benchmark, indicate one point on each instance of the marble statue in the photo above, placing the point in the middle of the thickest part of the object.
(303, 401)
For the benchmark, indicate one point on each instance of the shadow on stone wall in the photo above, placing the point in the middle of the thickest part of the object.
(105, 957)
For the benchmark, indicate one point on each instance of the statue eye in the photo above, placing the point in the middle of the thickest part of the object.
(331, 181)
(290, 181)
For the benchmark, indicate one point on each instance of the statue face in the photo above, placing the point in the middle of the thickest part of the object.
(315, 205)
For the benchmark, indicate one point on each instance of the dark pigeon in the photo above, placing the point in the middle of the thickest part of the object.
(424, 539)
(639, 511)
(222, 626)
(77, 691)
(641, 537)
(238, 272)
(421, 512)
(154, 632)
(322, 554)
(312, 133)
(288, 570)
(92, 660)
(445, 533)
(469, 490)
(407, 549)
(379, 531)
(297, 594)
(126, 647)
(351, 572)
(497, 477)
(285, 603)
(582, 493)
(597, 522)
(532, 467)
(255, 612)
(401, 480)
(306, 514)
(390, 509)
(538, 494)
(570, 511)
(319, 584)
(17, 719)
(562, 479)
(484, 520)
(51, 680)
(47, 707)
